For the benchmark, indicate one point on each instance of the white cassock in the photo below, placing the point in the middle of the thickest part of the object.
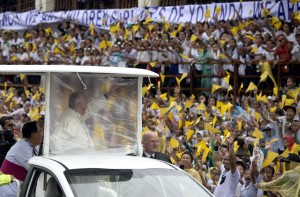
(72, 132)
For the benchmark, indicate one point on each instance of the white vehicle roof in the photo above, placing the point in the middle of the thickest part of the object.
(40, 69)
(101, 161)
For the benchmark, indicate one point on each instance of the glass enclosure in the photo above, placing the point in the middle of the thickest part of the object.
(92, 112)
(141, 182)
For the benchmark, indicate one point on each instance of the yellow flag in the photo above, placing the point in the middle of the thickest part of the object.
(189, 134)
(264, 99)
(241, 87)
(257, 133)
(265, 12)
(257, 116)
(163, 111)
(224, 108)
(235, 146)
(214, 121)
(179, 121)
(162, 77)
(222, 42)
(215, 87)
(188, 104)
(218, 9)
(170, 116)
(135, 28)
(113, 29)
(294, 1)
(163, 96)
(275, 90)
(179, 27)
(297, 16)
(27, 35)
(9, 97)
(34, 113)
(27, 93)
(206, 151)
(92, 28)
(152, 64)
(258, 96)
(193, 38)
(230, 88)
(173, 143)
(207, 14)
(226, 132)
(144, 90)
(167, 26)
(172, 98)
(146, 36)
(263, 76)
(173, 34)
(48, 31)
(14, 58)
(154, 106)
(234, 30)
(150, 27)
(222, 56)
(256, 142)
(184, 75)
(227, 78)
(289, 102)
(250, 37)
(219, 104)
(294, 93)
(270, 157)
(178, 155)
(178, 81)
(272, 141)
(254, 49)
(22, 76)
(251, 87)
(273, 109)
(188, 123)
(184, 56)
(240, 125)
(285, 153)
(148, 20)
(276, 22)
(36, 96)
(201, 107)
(42, 89)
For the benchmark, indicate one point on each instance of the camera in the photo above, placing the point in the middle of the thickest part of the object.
(7, 136)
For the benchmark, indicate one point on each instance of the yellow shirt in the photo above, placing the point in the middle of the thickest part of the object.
(194, 174)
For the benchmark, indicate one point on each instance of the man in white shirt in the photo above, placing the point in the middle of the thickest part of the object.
(72, 132)
(230, 176)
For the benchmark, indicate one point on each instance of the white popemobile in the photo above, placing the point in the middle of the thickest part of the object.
(111, 130)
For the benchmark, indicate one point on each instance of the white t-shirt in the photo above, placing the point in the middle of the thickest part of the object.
(227, 183)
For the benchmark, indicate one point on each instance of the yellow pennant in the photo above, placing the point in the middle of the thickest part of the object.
(173, 33)
(257, 133)
(215, 87)
(193, 38)
(218, 10)
(162, 77)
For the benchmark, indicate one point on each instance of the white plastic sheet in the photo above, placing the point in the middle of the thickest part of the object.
(108, 124)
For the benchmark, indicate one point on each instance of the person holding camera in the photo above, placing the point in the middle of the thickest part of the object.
(6, 136)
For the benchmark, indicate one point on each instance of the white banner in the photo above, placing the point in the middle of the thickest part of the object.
(173, 14)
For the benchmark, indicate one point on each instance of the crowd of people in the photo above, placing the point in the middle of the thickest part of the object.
(235, 146)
